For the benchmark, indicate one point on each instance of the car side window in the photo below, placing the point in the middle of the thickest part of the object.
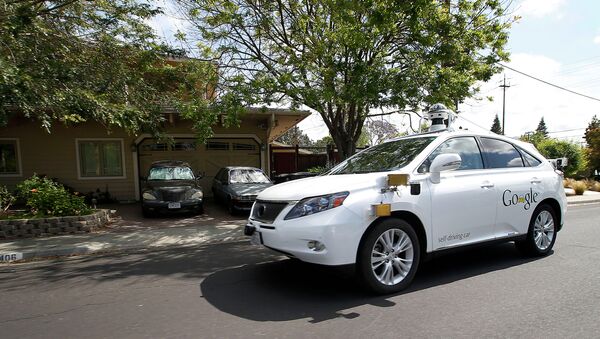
(530, 160)
(501, 154)
(225, 177)
(466, 147)
(220, 175)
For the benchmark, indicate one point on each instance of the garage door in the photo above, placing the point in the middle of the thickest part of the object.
(208, 158)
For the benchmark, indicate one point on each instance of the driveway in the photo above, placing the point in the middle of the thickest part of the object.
(129, 218)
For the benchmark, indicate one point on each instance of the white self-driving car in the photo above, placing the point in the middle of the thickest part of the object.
(388, 206)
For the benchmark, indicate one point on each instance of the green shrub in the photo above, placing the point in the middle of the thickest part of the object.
(568, 182)
(595, 186)
(47, 198)
(579, 187)
(552, 149)
(6, 200)
(317, 169)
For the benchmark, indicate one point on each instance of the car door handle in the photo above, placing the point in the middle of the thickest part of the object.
(536, 181)
(487, 184)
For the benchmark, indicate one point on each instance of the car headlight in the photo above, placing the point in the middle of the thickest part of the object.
(317, 204)
(148, 196)
(198, 195)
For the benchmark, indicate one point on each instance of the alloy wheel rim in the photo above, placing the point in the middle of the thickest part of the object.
(392, 257)
(543, 230)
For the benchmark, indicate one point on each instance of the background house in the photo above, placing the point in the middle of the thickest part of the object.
(87, 157)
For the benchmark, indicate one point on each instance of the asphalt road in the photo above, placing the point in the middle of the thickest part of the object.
(236, 290)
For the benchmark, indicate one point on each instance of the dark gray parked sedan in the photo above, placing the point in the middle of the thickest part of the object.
(238, 186)
(171, 187)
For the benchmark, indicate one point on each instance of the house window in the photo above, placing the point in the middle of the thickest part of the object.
(9, 157)
(155, 147)
(101, 158)
(184, 145)
(217, 146)
(243, 147)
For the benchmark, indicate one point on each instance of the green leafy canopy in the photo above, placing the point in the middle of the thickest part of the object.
(344, 58)
(74, 61)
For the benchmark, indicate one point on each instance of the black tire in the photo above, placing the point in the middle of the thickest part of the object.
(147, 213)
(363, 265)
(529, 246)
(230, 207)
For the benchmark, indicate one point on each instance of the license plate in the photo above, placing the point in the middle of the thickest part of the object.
(256, 239)
(173, 205)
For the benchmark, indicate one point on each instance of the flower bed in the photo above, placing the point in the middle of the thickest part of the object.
(44, 227)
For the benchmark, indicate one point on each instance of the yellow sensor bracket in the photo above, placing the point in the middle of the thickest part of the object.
(383, 210)
(397, 180)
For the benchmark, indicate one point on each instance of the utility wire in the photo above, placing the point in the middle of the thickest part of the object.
(549, 83)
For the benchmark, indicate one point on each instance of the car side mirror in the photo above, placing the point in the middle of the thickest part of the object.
(443, 163)
(200, 175)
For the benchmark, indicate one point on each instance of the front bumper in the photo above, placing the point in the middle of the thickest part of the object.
(242, 205)
(334, 235)
(163, 206)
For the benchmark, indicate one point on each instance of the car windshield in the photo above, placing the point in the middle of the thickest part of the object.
(247, 176)
(171, 173)
(385, 157)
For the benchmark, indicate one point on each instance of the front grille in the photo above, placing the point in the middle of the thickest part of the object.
(267, 211)
(173, 194)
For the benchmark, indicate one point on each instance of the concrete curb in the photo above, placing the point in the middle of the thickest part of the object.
(84, 250)
(581, 202)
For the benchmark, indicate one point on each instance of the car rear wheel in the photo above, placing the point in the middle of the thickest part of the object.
(231, 207)
(541, 234)
(147, 213)
(389, 256)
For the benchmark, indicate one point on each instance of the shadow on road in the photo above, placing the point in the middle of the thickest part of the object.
(248, 282)
(289, 289)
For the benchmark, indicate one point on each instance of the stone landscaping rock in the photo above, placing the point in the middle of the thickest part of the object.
(26, 228)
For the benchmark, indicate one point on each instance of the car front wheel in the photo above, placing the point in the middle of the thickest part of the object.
(389, 256)
(541, 234)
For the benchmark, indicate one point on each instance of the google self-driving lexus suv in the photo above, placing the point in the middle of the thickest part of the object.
(390, 205)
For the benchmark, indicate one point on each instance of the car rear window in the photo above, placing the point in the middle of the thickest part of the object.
(530, 160)
(501, 154)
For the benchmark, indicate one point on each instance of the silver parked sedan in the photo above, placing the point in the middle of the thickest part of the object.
(238, 186)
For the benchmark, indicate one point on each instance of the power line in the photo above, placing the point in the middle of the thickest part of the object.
(568, 130)
(549, 83)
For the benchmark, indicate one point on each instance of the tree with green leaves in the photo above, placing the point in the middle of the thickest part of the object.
(344, 58)
(295, 136)
(553, 148)
(73, 61)
(496, 128)
(324, 141)
(378, 131)
(592, 138)
(541, 128)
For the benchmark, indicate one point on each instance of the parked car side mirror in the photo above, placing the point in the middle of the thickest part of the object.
(200, 175)
(443, 163)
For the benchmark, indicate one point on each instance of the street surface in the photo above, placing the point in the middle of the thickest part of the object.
(237, 290)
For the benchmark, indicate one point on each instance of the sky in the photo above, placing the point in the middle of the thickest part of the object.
(555, 40)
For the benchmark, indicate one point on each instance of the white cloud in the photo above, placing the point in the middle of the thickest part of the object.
(597, 40)
(539, 8)
(528, 100)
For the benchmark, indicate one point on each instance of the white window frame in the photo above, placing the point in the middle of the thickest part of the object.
(80, 177)
(19, 163)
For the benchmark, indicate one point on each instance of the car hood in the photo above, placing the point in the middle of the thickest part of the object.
(326, 184)
(248, 189)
